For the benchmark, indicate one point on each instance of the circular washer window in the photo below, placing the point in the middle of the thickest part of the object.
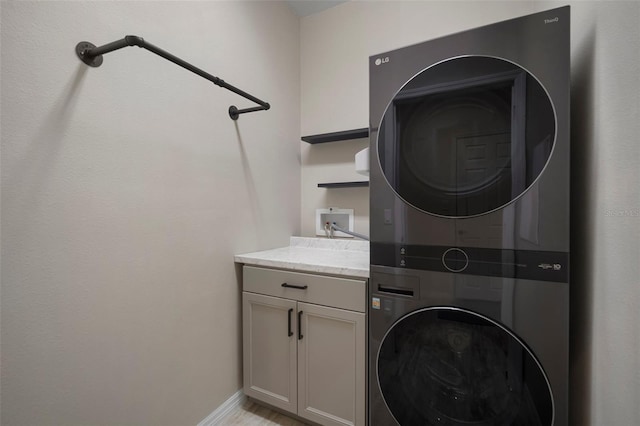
(466, 136)
(449, 366)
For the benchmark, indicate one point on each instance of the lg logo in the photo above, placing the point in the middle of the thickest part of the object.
(381, 61)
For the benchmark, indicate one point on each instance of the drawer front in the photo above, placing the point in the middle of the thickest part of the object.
(337, 292)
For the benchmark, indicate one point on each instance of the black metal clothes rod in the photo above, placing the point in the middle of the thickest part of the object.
(92, 56)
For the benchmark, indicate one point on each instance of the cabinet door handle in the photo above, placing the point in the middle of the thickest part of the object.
(299, 287)
(300, 336)
(289, 332)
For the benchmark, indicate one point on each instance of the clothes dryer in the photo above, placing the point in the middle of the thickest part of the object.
(469, 187)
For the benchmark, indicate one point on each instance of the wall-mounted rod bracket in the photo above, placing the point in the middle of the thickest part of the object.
(92, 56)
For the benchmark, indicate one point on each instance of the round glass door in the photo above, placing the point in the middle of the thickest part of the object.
(466, 136)
(448, 366)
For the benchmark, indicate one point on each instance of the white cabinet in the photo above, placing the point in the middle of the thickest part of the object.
(304, 344)
(331, 365)
(270, 352)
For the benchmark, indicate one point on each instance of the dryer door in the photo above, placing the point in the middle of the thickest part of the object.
(466, 136)
(450, 366)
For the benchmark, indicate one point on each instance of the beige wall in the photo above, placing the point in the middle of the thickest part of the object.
(605, 310)
(126, 191)
(333, 162)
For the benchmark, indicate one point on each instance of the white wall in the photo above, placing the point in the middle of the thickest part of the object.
(333, 162)
(605, 310)
(126, 190)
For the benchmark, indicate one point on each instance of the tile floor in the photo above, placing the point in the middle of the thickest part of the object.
(251, 414)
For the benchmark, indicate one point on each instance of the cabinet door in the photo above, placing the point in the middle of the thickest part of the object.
(269, 353)
(331, 365)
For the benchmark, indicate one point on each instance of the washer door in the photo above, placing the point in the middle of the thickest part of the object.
(449, 366)
(466, 136)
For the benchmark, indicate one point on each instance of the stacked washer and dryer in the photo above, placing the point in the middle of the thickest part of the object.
(469, 184)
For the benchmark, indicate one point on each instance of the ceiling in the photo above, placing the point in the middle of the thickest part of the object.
(309, 7)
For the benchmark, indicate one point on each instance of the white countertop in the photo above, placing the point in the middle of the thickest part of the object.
(321, 255)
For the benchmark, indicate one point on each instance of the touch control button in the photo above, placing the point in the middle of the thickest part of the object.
(455, 260)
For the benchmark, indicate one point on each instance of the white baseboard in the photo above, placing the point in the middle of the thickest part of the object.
(219, 413)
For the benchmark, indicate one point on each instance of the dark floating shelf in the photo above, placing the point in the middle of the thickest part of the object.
(344, 184)
(337, 136)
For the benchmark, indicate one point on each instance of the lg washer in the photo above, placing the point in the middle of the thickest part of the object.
(469, 187)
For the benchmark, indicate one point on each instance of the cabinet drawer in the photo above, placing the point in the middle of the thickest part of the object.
(337, 292)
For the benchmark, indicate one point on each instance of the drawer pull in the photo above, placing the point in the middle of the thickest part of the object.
(299, 287)
(300, 336)
(289, 332)
(395, 290)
